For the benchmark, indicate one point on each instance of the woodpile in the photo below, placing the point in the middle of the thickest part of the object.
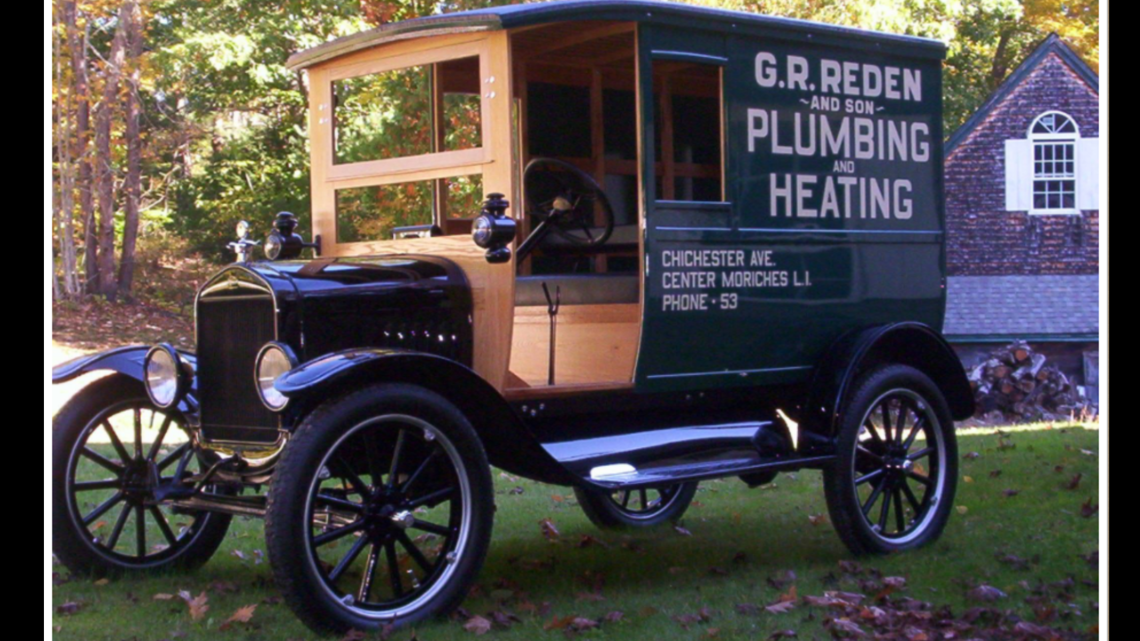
(1015, 384)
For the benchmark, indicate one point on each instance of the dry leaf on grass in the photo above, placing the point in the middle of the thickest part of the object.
(241, 617)
(478, 626)
(986, 594)
(199, 605)
(550, 530)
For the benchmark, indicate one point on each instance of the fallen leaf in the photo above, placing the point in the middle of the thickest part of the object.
(682, 531)
(1093, 560)
(783, 580)
(713, 633)
(973, 456)
(963, 510)
(748, 610)
(1009, 494)
(355, 635)
(986, 594)
(845, 627)
(518, 491)
(968, 479)
(1075, 484)
(1014, 561)
(850, 567)
(996, 474)
(582, 624)
(819, 520)
(550, 530)
(740, 559)
(241, 617)
(199, 605)
(69, 609)
(164, 597)
(478, 626)
(615, 617)
(589, 541)
(1088, 510)
(103, 583)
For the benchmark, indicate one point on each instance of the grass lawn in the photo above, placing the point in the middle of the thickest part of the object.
(660, 580)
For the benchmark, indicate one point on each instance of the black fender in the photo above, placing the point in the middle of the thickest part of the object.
(913, 344)
(127, 361)
(124, 360)
(510, 444)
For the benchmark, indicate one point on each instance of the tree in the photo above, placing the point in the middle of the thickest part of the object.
(105, 169)
(134, 36)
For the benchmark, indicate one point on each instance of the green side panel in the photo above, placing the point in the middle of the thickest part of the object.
(834, 220)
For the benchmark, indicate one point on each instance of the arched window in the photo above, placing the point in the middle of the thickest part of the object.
(1054, 137)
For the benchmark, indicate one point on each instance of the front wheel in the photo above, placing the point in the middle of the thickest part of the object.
(893, 484)
(642, 508)
(112, 453)
(381, 511)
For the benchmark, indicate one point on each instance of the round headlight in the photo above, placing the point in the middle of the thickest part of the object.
(273, 246)
(274, 361)
(165, 380)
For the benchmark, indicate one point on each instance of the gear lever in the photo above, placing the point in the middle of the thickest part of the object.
(555, 303)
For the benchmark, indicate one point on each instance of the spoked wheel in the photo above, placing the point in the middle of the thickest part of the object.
(640, 508)
(113, 452)
(894, 484)
(382, 511)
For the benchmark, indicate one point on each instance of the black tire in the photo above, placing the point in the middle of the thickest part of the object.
(81, 546)
(614, 511)
(878, 461)
(366, 429)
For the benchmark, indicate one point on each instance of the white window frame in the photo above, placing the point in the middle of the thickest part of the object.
(1041, 139)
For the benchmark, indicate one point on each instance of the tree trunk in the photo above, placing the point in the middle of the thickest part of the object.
(105, 172)
(65, 216)
(1000, 67)
(78, 46)
(134, 152)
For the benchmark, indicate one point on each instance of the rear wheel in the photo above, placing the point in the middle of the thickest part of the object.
(111, 450)
(642, 508)
(381, 511)
(892, 486)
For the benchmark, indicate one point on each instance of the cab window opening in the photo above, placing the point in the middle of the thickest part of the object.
(688, 131)
(403, 113)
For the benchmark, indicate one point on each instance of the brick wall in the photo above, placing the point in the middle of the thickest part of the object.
(983, 238)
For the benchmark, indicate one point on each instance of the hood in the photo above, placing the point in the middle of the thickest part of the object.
(419, 303)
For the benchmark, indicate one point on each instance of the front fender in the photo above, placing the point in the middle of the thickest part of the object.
(124, 360)
(912, 344)
(509, 442)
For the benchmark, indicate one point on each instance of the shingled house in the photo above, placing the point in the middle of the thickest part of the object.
(1023, 186)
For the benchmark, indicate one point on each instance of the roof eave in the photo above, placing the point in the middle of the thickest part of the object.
(394, 32)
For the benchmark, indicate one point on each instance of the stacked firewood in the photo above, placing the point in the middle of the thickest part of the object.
(1014, 383)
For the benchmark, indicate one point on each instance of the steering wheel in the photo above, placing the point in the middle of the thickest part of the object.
(563, 199)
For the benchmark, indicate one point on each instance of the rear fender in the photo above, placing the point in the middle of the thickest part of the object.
(912, 344)
(509, 443)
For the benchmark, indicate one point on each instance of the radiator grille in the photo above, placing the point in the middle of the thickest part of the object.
(231, 332)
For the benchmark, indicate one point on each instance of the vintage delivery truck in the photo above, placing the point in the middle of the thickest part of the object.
(620, 246)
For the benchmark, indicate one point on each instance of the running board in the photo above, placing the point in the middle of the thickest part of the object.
(701, 471)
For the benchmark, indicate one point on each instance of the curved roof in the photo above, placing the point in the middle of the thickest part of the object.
(644, 11)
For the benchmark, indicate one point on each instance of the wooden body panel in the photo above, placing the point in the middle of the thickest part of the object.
(597, 344)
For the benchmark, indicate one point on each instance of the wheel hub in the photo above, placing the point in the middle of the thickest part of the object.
(384, 515)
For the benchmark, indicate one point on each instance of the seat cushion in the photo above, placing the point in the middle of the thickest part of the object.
(579, 289)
